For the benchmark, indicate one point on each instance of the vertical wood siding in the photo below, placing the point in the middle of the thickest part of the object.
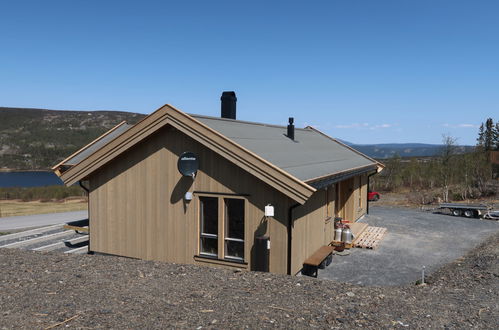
(310, 228)
(137, 207)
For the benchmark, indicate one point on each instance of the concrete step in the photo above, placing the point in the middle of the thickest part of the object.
(62, 244)
(31, 232)
(81, 250)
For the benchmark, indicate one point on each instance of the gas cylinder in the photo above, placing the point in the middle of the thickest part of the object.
(337, 234)
(346, 235)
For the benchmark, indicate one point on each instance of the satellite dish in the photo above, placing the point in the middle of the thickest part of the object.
(188, 164)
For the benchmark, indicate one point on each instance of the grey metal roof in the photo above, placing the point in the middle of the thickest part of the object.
(311, 155)
(97, 145)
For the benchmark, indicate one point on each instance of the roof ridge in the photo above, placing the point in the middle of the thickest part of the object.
(245, 122)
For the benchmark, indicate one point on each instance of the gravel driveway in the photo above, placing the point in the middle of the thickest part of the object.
(414, 239)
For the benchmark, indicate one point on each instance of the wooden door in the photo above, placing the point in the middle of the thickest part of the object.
(345, 200)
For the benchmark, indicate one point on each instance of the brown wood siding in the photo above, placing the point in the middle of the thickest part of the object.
(137, 207)
(346, 199)
(308, 229)
(362, 191)
(311, 230)
(330, 214)
(359, 197)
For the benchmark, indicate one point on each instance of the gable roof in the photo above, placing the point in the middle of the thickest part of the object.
(168, 115)
(310, 156)
(295, 168)
(93, 146)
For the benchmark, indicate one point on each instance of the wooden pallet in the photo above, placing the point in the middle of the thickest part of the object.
(370, 238)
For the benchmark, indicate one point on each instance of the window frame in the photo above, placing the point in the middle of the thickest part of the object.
(226, 238)
(222, 228)
(202, 234)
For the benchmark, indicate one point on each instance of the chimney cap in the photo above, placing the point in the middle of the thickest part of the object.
(230, 94)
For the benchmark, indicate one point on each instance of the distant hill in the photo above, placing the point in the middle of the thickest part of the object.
(37, 139)
(388, 150)
(40, 138)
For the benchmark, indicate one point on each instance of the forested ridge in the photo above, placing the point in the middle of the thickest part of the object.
(37, 139)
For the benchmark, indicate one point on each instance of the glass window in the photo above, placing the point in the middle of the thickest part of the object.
(209, 225)
(231, 229)
(234, 228)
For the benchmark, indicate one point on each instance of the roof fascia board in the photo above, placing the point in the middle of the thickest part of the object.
(380, 165)
(252, 163)
(359, 168)
(327, 181)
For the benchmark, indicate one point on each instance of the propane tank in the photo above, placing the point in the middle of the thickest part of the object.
(337, 234)
(346, 235)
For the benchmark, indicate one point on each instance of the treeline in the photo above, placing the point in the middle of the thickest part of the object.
(450, 176)
(41, 193)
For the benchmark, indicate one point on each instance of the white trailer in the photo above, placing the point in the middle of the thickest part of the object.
(467, 210)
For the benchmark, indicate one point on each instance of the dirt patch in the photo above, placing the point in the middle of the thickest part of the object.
(44, 289)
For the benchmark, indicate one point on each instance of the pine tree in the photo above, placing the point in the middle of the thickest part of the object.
(489, 134)
(496, 137)
(480, 139)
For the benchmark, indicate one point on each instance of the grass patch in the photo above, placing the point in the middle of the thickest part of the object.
(41, 193)
(10, 208)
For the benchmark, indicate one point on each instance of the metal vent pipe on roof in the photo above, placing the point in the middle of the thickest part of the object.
(229, 100)
(291, 129)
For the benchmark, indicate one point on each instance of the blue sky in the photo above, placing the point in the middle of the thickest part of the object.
(364, 71)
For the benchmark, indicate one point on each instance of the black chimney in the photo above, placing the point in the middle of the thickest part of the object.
(229, 100)
(291, 129)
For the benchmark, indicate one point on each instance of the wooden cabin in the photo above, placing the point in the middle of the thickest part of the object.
(219, 213)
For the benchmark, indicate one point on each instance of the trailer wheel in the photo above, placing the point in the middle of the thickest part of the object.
(456, 212)
(469, 213)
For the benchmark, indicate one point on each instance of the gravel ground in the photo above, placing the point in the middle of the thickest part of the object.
(40, 290)
(414, 239)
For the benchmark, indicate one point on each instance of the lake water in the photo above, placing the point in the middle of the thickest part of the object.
(28, 179)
